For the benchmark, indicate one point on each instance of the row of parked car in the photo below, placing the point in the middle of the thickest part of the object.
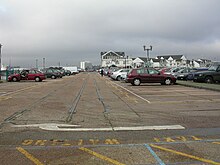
(142, 75)
(39, 75)
(166, 75)
(208, 75)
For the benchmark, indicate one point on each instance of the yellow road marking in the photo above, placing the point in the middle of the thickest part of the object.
(168, 139)
(186, 155)
(101, 156)
(111, 141)
(29, 156)
(2, 98)
(216, 142)
(196, 138)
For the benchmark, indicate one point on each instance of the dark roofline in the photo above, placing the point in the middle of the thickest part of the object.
(116, 53)
(174, 56)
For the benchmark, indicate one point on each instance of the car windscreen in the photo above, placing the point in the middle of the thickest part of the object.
(213, 68)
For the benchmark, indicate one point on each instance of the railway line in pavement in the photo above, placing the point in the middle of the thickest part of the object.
(89, 119)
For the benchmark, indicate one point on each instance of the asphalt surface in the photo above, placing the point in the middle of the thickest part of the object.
(89, 119)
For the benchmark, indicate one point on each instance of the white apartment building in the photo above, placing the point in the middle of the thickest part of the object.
(85, 65)
(118, 59)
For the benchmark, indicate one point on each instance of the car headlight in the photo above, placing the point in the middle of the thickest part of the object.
(200, 75)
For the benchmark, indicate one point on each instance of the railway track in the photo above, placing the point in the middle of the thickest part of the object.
(31, 105)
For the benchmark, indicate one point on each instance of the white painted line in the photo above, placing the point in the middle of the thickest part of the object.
(75, 128)
(142, 128)
(47, 125)
(132, 93)
(19, 90)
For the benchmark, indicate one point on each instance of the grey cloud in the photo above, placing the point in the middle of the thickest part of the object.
(73, 30)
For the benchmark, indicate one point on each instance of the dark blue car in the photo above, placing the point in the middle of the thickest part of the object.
(212, 75)
(192, 73)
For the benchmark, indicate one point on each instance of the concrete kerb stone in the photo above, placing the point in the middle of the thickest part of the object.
(213, 87)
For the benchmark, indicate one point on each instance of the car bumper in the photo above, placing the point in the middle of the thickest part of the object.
(181, 78)
(113, 77)
(199, 79)
(129, 80)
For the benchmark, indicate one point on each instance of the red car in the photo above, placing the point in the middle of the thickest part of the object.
(31, 74)
(149, 75)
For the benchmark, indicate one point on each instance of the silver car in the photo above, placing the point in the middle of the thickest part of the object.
(117, 74)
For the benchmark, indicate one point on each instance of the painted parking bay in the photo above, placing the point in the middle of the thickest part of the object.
(161, 150)
(111, 151)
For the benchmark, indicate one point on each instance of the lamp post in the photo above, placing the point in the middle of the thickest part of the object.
(43, 63)
(36, 63)
(148, 49)
(0, 61)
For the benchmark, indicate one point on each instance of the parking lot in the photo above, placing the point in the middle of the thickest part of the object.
(89, 119)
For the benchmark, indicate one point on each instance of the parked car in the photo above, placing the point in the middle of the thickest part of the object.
(52, 73)
(190, 75)
(164, 70)
(117, 74)
(172, 70)
(182, 74)
(59, 69)
(67, 72)
(124, 77)
(212, 75)
(27, 74)
(149, 75)
(73, 69)
(111, 70)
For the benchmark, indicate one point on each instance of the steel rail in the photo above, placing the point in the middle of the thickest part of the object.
(30, 106)
(106, 108)
(75, 102)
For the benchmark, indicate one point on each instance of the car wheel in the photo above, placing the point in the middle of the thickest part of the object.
(137, 82)
(209, 79)
(118, 78)
(14, 79)
(53, 77)
(37, 79)
(167, 81)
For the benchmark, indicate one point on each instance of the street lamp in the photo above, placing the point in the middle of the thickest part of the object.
(36, 63)
(44, 63)
(0, 61)
(148, 49)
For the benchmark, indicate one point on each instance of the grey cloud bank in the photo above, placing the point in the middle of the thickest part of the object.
(70, 31)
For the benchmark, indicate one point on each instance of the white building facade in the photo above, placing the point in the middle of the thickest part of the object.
(161, 61)
(85, 65)
(118, 59)
(173, 61)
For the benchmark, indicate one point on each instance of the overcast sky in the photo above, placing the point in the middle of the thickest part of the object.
(70, 31)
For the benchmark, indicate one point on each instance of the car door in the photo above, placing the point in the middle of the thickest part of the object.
(217, 74)
(49, 73)
(31, 75)
(143, 75)
(154, 76)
